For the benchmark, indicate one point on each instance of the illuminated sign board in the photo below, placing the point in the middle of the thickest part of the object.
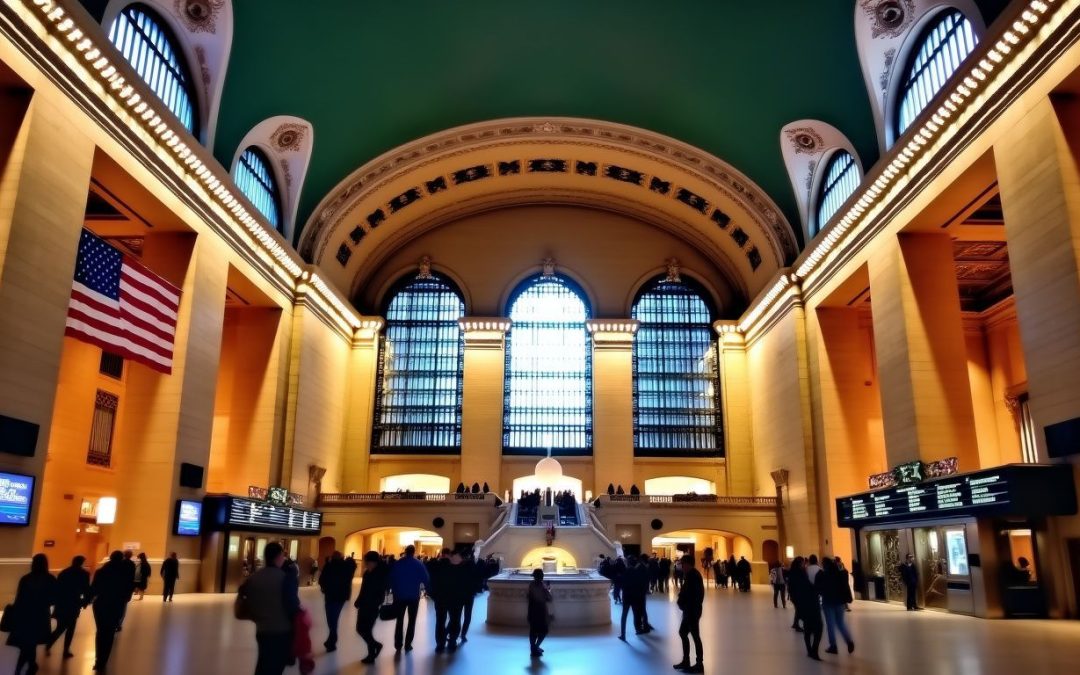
(16, 495)
(188, 518)
(237, 513)
(1016, 489)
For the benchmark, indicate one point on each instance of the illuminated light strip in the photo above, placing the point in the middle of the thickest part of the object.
(85, 46)
(932, 128)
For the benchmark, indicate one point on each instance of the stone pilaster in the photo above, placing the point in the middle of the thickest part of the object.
(482, 401)
(613, 401)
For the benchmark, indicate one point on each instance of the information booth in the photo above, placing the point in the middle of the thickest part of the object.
(975, 538)
(237, 529)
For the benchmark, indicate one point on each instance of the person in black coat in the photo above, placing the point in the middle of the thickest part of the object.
(539, 595)
(635, 588)
(665, 573)
(132, 571)
(170, 574)
(477, 580)
(110, 592)
(336, 585)
(459, 584)
(909, 574)
(691, 599)
(807, 608)
(72, 594)
(438, 593)
(142, 575)
(376, 581)
(34, 598)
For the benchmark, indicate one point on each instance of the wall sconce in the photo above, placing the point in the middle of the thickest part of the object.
(790, 552)
(106, 511)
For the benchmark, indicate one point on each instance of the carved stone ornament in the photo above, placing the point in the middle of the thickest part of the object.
(316, 473)
(780, 477)
(888, 18)
(673, 271)
(288, 137)
(549, 267)
(805, 140)
(424, 269)
(199, 16)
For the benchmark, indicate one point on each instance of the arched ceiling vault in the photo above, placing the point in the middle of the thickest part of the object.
(465, 170)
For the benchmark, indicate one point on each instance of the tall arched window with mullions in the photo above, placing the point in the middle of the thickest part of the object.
(153, 51)
(548, 369)
(842, 176)
(941, 48)
(418, 405)
(255, 179)
(676, 375)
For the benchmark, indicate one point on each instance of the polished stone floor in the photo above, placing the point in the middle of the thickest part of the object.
(743, 634)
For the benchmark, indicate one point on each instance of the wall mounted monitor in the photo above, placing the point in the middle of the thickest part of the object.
(188, 518)
(16, 496)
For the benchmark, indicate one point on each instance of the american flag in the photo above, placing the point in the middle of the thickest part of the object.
(120, 306)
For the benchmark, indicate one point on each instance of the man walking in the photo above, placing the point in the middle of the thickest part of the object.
(72, 594)
(170, 574)
(336, 585)
(271, 599)
(373, 588)
(458, 584)
(909, 574)
(690, 601)
(406, 577)
(110, 592)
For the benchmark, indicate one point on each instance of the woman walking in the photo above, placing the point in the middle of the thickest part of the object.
(539, 597)
(832, 586)
(779, 584)
(31, 623)
(142, 575)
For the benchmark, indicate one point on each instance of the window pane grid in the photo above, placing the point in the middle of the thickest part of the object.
(676, 378)
(549, 371)
(147, 47)
(842, 177)
(418, 409)
(254, 178)
(944, 48)
(102, 427)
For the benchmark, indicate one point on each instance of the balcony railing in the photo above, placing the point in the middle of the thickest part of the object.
(366, 498)
(689, 500)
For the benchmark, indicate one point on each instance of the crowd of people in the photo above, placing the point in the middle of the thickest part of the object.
(41, 597)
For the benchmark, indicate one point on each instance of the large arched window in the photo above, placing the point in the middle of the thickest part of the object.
(152, 50)
(841, 178)
(418, 405)
(255, 179)
(676, 380)
(944, 45)
(548, 370)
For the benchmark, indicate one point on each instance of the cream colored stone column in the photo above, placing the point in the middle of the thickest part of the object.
(1040, 196)
(363, 372)
(613, 401)
(169, 419)
(484, 373)
(43, 188)
(735, 404)
(921, 353)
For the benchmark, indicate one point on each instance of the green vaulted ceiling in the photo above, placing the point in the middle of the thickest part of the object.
(723, 75)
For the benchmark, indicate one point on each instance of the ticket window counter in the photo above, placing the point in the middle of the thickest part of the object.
(942, 558)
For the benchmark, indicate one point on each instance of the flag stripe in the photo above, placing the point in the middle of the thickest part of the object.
(122, 307)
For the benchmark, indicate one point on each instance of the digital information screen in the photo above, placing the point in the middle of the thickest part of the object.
(1016, 489)
(188, 518)
(16, 494)
(245, 513)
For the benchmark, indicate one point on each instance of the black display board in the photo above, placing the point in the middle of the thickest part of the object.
(1032, 490)
(225, 512)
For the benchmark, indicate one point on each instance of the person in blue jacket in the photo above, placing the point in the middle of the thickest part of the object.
(406, 577)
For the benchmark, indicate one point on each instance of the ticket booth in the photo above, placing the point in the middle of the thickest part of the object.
(237, 529)
(974, 538)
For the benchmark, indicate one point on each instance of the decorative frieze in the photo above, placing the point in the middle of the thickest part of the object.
(484, 332)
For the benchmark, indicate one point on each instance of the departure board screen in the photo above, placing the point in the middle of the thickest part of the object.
(245, 513)
(1012, 489)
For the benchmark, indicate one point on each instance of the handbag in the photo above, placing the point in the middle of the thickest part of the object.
(240, 607)
(7, 622)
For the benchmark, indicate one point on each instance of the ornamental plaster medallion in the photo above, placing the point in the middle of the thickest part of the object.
(805, 140)
(200, 16)
(288, 137)
(889, 18)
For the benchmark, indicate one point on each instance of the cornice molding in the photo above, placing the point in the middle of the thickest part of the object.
(482, 333)
(612, 334)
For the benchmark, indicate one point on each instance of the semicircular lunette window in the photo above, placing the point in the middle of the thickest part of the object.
(548, 370)
(943, 47)
(418, 402)
(842, 177)
(149, 46)
(255, 179)
(676, 375)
